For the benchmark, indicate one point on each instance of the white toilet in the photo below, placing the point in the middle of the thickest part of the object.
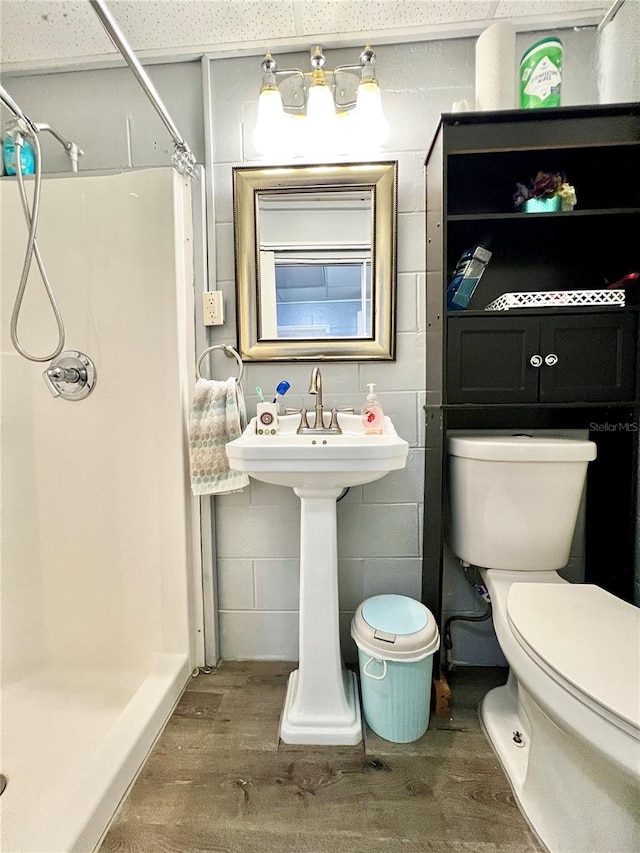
(566, 726)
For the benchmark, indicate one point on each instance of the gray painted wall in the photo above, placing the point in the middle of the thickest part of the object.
(380, 524)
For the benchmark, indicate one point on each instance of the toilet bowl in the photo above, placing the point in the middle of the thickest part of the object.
(573, 698)
(566, 726)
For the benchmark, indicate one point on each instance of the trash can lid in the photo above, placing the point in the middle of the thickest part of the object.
(395, 627)
(395, 614)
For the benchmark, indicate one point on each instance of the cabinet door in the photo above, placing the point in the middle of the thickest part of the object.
(588, 358)
(488, 359)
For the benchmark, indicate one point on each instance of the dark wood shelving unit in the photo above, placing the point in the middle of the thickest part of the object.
(479, 370)
(559, 216)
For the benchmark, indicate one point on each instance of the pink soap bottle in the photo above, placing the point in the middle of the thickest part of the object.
(372, 414)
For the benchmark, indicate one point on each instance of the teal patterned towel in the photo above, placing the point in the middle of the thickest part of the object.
(217, 416)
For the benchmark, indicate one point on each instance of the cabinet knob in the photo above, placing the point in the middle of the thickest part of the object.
(551, 359)
(535, 360)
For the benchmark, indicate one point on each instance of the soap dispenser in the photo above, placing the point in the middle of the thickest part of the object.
(372, 414)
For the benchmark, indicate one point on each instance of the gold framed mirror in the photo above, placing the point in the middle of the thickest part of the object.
(315, 251)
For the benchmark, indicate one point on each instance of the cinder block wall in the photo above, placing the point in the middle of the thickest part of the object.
(256, 531)
(380, 524)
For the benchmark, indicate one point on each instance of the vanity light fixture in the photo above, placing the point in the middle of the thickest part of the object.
(320, 113)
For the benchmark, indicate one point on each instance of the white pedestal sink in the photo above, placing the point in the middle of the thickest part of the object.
(321, 705)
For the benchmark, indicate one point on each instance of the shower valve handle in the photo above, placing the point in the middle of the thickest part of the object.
(51, 381)
(71, 375)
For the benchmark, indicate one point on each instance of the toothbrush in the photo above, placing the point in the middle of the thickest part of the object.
(259, 393)
(281, 389)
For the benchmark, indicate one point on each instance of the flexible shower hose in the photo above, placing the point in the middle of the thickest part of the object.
(31, 217)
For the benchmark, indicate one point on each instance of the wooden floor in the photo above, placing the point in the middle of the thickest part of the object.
(218, 781)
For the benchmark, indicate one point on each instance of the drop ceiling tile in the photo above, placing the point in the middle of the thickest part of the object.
(47, 29)
(53, 29)
(41, 30)
(340, 16)
(183, 23)
(528, 8)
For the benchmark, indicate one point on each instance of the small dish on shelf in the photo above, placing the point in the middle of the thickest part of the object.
(543, 205)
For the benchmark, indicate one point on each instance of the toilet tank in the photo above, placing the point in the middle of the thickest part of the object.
(515, 499)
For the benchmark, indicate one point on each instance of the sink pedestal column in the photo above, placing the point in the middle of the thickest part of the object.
(322, 705)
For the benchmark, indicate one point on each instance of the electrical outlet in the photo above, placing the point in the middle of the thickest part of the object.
(213, 308)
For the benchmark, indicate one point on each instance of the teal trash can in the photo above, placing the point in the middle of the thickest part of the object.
(396, 638)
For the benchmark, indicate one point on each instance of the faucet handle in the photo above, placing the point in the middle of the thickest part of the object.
(334, 425)
(304, 423)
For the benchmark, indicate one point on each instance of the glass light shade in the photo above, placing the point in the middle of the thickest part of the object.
(320, 122)
(373, 127)
(269, 133)
(346, 133)
(296, 134)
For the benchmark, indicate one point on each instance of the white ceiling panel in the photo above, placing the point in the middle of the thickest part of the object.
(41, 34)
(549, 8)
(183, 23)
(46, 29)
(335, 16)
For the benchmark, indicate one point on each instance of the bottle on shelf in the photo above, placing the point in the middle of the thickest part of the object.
(467, 275)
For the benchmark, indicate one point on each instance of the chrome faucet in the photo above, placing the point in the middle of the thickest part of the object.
(318, 428)
(315, 387)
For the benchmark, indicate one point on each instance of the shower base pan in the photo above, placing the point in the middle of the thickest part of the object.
(72, 743)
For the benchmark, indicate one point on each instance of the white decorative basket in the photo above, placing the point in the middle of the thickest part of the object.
(555, 299)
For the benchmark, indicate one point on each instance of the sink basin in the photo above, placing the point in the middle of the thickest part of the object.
(338, 461)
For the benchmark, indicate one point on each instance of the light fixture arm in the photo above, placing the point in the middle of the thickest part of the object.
(320, 96)
(296, 78)
(294, 84)
(364, 71)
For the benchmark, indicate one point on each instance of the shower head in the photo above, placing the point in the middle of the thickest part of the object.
(17, 127)
(8, 101)
(22, 125)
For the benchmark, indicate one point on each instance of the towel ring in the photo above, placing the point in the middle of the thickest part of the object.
(229, 352)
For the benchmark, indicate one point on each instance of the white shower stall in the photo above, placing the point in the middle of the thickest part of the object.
(101, 591)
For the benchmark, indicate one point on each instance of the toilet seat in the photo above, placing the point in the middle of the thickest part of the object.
(587, 640)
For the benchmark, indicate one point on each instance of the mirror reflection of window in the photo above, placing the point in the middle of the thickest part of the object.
(324, 299)
(325, 296)
(320, 285)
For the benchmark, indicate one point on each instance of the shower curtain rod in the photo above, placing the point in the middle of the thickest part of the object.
(183, 158)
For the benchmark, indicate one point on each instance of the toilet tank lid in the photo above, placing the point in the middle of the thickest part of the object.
(522, 448)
